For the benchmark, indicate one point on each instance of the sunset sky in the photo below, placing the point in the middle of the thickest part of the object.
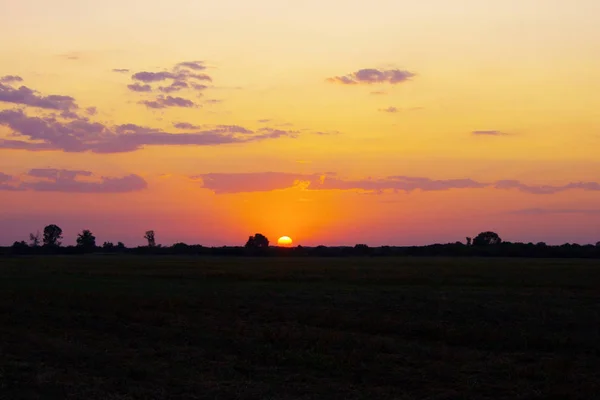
(388, 122)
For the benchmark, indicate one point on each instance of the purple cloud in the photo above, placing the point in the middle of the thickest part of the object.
(153, 76)
(120, 70)
(198, 86)
(48, 133)
(5, 178)
(489, 133)
(371, 75)
(185, 125)
(11, 79)
(63, 180)
(148, 77)
(392, 110)
(57, 174)
(543, 189)
(267, 181)
(169, 101)
(547, 211)
(6, 182)
(175, 87)
(183, 76)
(136, 87)
(91, 110)
(195, 65)
(25, 96)
(221, 183)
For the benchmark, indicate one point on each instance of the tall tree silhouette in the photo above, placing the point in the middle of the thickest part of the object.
(52, 235)
(487, 239)
(258, 241)
(86, 240)
(149, 236)
(35, 239)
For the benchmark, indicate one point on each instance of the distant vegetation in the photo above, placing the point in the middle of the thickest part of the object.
(484, 244)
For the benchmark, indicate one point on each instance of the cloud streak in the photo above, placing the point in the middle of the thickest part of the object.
(81, 135)
(267, 181)
(28, 97)
(489, 133)
(136, 87)
(549, 211)
(11, 79)
(369, 76)
(169, 101)
(68, 181)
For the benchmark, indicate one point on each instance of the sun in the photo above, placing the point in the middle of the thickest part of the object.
(284, 241)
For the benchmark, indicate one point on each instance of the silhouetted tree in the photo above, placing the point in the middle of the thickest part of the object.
(120, 246)
(20, 247)
(361, 249)
(149, 236)
(35, 239)
(108, 246)
(258, 241)
(487, 239)
(52, 236)
(469, 241)
(86, 240)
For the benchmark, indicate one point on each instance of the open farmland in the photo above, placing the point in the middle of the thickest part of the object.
(133, 327)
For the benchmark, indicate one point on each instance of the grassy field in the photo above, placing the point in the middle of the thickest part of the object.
(116, 327)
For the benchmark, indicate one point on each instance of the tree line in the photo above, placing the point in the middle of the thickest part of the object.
(484, 244)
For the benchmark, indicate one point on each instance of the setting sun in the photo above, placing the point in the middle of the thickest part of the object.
(284, 241)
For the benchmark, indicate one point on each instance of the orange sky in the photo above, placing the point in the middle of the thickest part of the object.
(332, 122)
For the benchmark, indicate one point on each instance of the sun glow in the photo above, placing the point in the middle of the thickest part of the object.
(284, 241)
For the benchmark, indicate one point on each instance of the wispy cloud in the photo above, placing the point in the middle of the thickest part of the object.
(489, 133)
(120, 70)
(185, 125)
(371, 76)
(550, 211)
(73, 55)
(183, 77)
(195, 65)
(266, 181)
(390, 109)
(176, 86)
(28, 97)
(81, 135)
(11, 79)
(136, 87)
(5, 177)
(67, 181)
(546, 189)
(169, 101)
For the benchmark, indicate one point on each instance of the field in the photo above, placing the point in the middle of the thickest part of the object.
(134, 327)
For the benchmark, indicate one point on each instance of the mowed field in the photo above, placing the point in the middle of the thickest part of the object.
(135, 327)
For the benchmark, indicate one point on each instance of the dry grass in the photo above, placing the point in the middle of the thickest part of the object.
(111, 327)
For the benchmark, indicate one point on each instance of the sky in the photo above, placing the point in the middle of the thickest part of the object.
(391, 122)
